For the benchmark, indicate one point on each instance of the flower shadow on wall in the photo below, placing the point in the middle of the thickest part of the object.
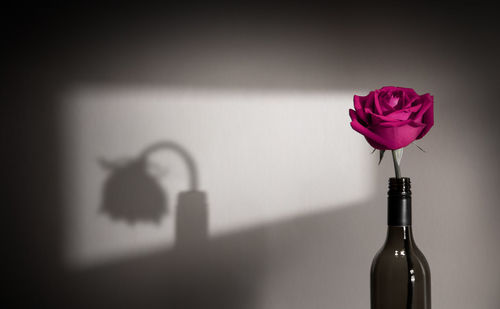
(192, 275)
(133, 193)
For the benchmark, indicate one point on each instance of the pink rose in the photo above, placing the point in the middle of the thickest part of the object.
(392, 117)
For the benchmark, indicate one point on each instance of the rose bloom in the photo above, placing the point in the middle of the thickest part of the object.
(392, 117)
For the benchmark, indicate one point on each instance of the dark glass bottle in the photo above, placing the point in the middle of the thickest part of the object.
(400, 275)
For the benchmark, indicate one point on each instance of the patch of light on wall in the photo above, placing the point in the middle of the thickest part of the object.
(258, 157)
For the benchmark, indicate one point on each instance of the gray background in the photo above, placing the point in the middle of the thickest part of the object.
(319, 260)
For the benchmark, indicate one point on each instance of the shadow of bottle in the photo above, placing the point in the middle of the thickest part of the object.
(191, 229)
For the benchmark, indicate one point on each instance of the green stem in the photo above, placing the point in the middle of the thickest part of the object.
(396, 165)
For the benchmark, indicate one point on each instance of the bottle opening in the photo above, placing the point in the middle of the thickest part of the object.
(400, 187)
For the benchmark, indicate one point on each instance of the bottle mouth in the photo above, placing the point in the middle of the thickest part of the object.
(400, 187)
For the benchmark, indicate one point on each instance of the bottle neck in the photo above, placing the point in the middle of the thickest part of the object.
(399, 202)
(398, 211)
(399, 236)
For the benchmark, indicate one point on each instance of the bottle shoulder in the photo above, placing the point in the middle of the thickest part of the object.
(394, 256)
(421, 262)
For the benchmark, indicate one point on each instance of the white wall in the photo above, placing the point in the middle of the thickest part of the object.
(296, 204)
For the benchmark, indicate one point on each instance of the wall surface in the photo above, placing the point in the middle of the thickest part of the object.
(201, 157)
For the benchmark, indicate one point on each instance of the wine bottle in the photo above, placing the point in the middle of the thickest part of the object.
(400, 275)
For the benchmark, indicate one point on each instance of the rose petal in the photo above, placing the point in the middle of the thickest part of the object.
(368, 100)
(428, 117)
(393, 117)
(376, 102)
(410, 92)
(375, 144)
(387, 103)
(358, 105)
(409, 99)
(394, 124)
(376, 119)
(426, 101)
(389, 88)
(400, 115)
(396, 137)
(407, 95)
(403, 114)
(374, 140)
(354, 115)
